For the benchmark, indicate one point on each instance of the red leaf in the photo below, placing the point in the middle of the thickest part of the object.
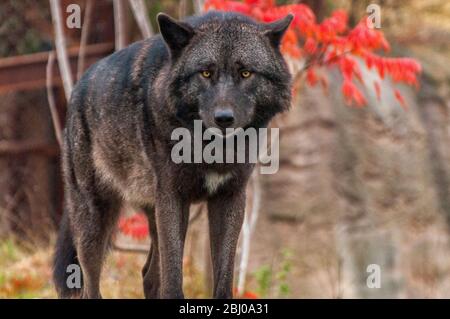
(352, 93)
(377, 89)
(311, 77)
(399, 97)
(310, 46)
(249, 295)
(245, 295)
(135, 226)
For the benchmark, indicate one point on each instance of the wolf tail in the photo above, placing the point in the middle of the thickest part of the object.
(65, 255)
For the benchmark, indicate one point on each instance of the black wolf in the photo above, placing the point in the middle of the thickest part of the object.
(222, 68)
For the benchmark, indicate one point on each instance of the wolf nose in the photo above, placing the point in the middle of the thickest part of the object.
(224, 118)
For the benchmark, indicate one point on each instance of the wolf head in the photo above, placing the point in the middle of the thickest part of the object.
(226, 69)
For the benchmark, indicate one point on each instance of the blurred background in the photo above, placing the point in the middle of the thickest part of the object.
(356, 186)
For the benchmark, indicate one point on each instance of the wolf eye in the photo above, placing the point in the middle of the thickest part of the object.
(245, 74)
(206, 74)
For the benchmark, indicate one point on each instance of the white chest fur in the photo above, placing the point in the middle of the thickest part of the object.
(214, 180)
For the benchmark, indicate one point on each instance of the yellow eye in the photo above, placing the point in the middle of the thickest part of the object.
(245, 74)
(206, 74)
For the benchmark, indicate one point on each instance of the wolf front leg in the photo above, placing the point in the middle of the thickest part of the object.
(172, 217)
(226, 215)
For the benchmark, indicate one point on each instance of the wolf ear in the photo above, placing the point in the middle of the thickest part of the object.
(176, 34)
(275, 30)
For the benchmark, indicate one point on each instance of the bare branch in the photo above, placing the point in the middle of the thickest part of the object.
(84, 38)
(130, 248)
(182, 9)
(61, 52)
(247, 230)
(198, 6)
(140, 14)
(51, 98)
(119, 24)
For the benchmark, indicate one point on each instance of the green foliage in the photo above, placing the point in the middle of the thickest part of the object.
(8, 251)
(274, 284)
(263, 278)
(282, 275)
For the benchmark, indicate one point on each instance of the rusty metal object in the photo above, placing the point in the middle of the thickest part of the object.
(27, 72)
(14, 148)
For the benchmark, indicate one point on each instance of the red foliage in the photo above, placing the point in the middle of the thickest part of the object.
(249, 295)
(331, 43)
(245, 295)
(135, 226)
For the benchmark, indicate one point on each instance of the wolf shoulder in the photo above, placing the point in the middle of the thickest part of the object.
(111, 80)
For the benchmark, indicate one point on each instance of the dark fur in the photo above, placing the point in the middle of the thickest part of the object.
(117, 144)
